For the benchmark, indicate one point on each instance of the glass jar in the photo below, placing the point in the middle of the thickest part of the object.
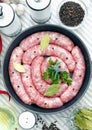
(10, 24)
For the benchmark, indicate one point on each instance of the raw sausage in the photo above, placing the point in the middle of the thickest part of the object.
(45, 102)
(61, 40)
(52, 50)
(62, 54)
(77, 77)
(35, 96)
(39, 83)
(55, 38)
(27, 81)
(29, 86)
(15, 76)
(31, 41)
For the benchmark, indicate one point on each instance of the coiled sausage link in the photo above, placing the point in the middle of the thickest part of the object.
(39, 83)
(77, 77)
(52, 50)
(35, 96)
(15, 76)
(55, 38)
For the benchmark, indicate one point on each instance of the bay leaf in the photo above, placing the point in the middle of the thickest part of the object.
(18, 67)
(52, 90)
(44, 42)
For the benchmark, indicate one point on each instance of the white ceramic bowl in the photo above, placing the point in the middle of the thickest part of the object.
(84, 7)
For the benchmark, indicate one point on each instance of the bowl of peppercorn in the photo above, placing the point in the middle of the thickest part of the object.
(72, 13)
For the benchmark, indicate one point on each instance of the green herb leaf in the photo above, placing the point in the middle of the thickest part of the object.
(64, 75)
(51, 62)
(69, 81)
(45, 75)
(44, 42)
(55, 78)
(57, 62)
(83, 119)
(54, 73)
(66, 78)
(52, 90)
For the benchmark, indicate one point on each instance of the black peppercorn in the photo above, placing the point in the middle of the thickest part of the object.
(71, 13)
(45, 127)
(52, 126)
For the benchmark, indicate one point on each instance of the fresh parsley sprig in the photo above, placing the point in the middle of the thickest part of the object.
(66, 78)
(54, 73)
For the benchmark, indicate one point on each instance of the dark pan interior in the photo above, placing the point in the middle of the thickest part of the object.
(17, 41)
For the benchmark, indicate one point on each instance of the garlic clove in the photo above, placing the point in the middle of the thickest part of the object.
(20, 9)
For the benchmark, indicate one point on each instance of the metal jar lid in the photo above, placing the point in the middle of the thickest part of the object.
(27, 120)
(6, 14)
(38, 4)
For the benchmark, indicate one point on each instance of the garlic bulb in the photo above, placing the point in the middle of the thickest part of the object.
(19, 9)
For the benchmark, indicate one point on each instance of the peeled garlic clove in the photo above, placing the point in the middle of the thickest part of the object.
(20, 9)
